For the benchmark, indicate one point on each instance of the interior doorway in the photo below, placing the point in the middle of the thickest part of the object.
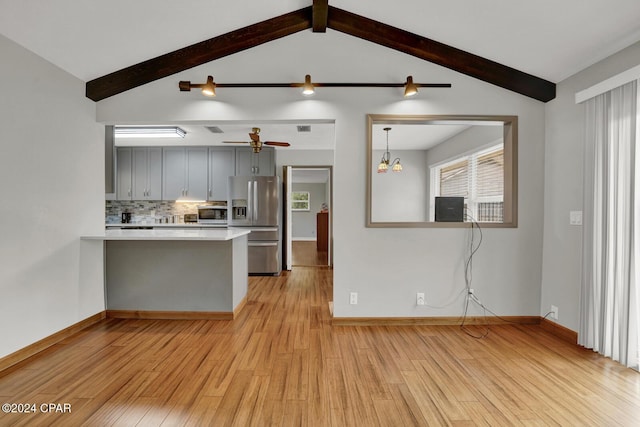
(308, 216)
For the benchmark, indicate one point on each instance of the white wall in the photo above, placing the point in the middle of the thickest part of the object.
(303, 226)
(564, 186)
(386, 266)
(52, 187)
(292, 157)
(400, 196)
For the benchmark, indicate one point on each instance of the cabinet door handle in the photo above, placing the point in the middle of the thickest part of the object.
(209, 192)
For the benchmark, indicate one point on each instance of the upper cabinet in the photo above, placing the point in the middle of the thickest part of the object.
(124, 173)
(222, 165)
(139, 173)
(250, 163)
(147, 173)
(184, 174)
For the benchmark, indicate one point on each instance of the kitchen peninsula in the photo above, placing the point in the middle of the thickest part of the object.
(175, 274)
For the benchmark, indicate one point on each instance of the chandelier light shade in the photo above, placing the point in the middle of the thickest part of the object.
(385, 161)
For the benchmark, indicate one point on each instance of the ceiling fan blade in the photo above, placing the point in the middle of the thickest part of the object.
(278, 144)
(254, 137)
(235, 142)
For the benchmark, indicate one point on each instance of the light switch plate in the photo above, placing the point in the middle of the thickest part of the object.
(575, 218)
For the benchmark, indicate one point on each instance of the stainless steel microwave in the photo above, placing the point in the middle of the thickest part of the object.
(212, 214)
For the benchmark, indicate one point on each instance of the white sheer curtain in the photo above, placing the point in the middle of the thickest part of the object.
(611, 235)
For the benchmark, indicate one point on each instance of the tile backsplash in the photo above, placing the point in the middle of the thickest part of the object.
(148, 211)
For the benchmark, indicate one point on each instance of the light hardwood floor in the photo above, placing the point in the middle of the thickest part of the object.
(281, 362)
(304, 253)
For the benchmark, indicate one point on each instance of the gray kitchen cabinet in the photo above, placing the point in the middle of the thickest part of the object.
(138, 173)
(147, 173)
(124, 173)
(184, 173)
(250, 163)
(222, 165)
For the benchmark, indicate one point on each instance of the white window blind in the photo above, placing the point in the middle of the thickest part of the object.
(454, 179)
(479, 178)
(490, 179)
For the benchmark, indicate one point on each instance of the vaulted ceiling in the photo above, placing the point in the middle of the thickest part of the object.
(320, 16)
(522, 46)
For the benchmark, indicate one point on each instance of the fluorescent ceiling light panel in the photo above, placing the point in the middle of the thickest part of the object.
(149, 132)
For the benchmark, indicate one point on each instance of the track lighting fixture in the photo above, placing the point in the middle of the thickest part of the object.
(208, 88)
(308, 88)
(383, 167)
(410, 88)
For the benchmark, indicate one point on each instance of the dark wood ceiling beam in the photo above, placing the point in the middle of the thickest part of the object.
(441, 54)
(198, 54)
(320, 15)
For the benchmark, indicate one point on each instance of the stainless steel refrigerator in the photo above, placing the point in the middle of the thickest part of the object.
(254, 203)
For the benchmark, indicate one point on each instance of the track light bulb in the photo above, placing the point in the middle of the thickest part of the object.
(307, 89)
(410, 88)
(209, 88)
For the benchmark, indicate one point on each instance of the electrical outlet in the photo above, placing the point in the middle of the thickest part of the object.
(353, 298)
(420, 298)
(575, 218)
(554, 312)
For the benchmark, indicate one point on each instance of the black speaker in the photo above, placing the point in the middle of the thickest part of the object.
(449, 209)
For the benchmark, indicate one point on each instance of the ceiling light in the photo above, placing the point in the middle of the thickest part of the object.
(148, 132)
(208, 88)
(383, 167)
(307, 89)
(410, 88)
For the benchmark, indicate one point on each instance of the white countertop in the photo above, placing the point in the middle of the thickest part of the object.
(166, 225)
(169, 234)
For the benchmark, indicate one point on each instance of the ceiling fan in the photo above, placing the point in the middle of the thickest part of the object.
(255, 142)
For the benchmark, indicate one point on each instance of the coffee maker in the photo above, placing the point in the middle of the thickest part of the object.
(125, 217)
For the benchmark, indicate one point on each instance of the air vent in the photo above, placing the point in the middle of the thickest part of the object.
(214, 129)
(304, 128)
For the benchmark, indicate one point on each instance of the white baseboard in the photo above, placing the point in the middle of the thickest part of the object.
(303, 239)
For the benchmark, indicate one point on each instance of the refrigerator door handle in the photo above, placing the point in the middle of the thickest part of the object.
(255, 200)
(255, 243)
(249, 203)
